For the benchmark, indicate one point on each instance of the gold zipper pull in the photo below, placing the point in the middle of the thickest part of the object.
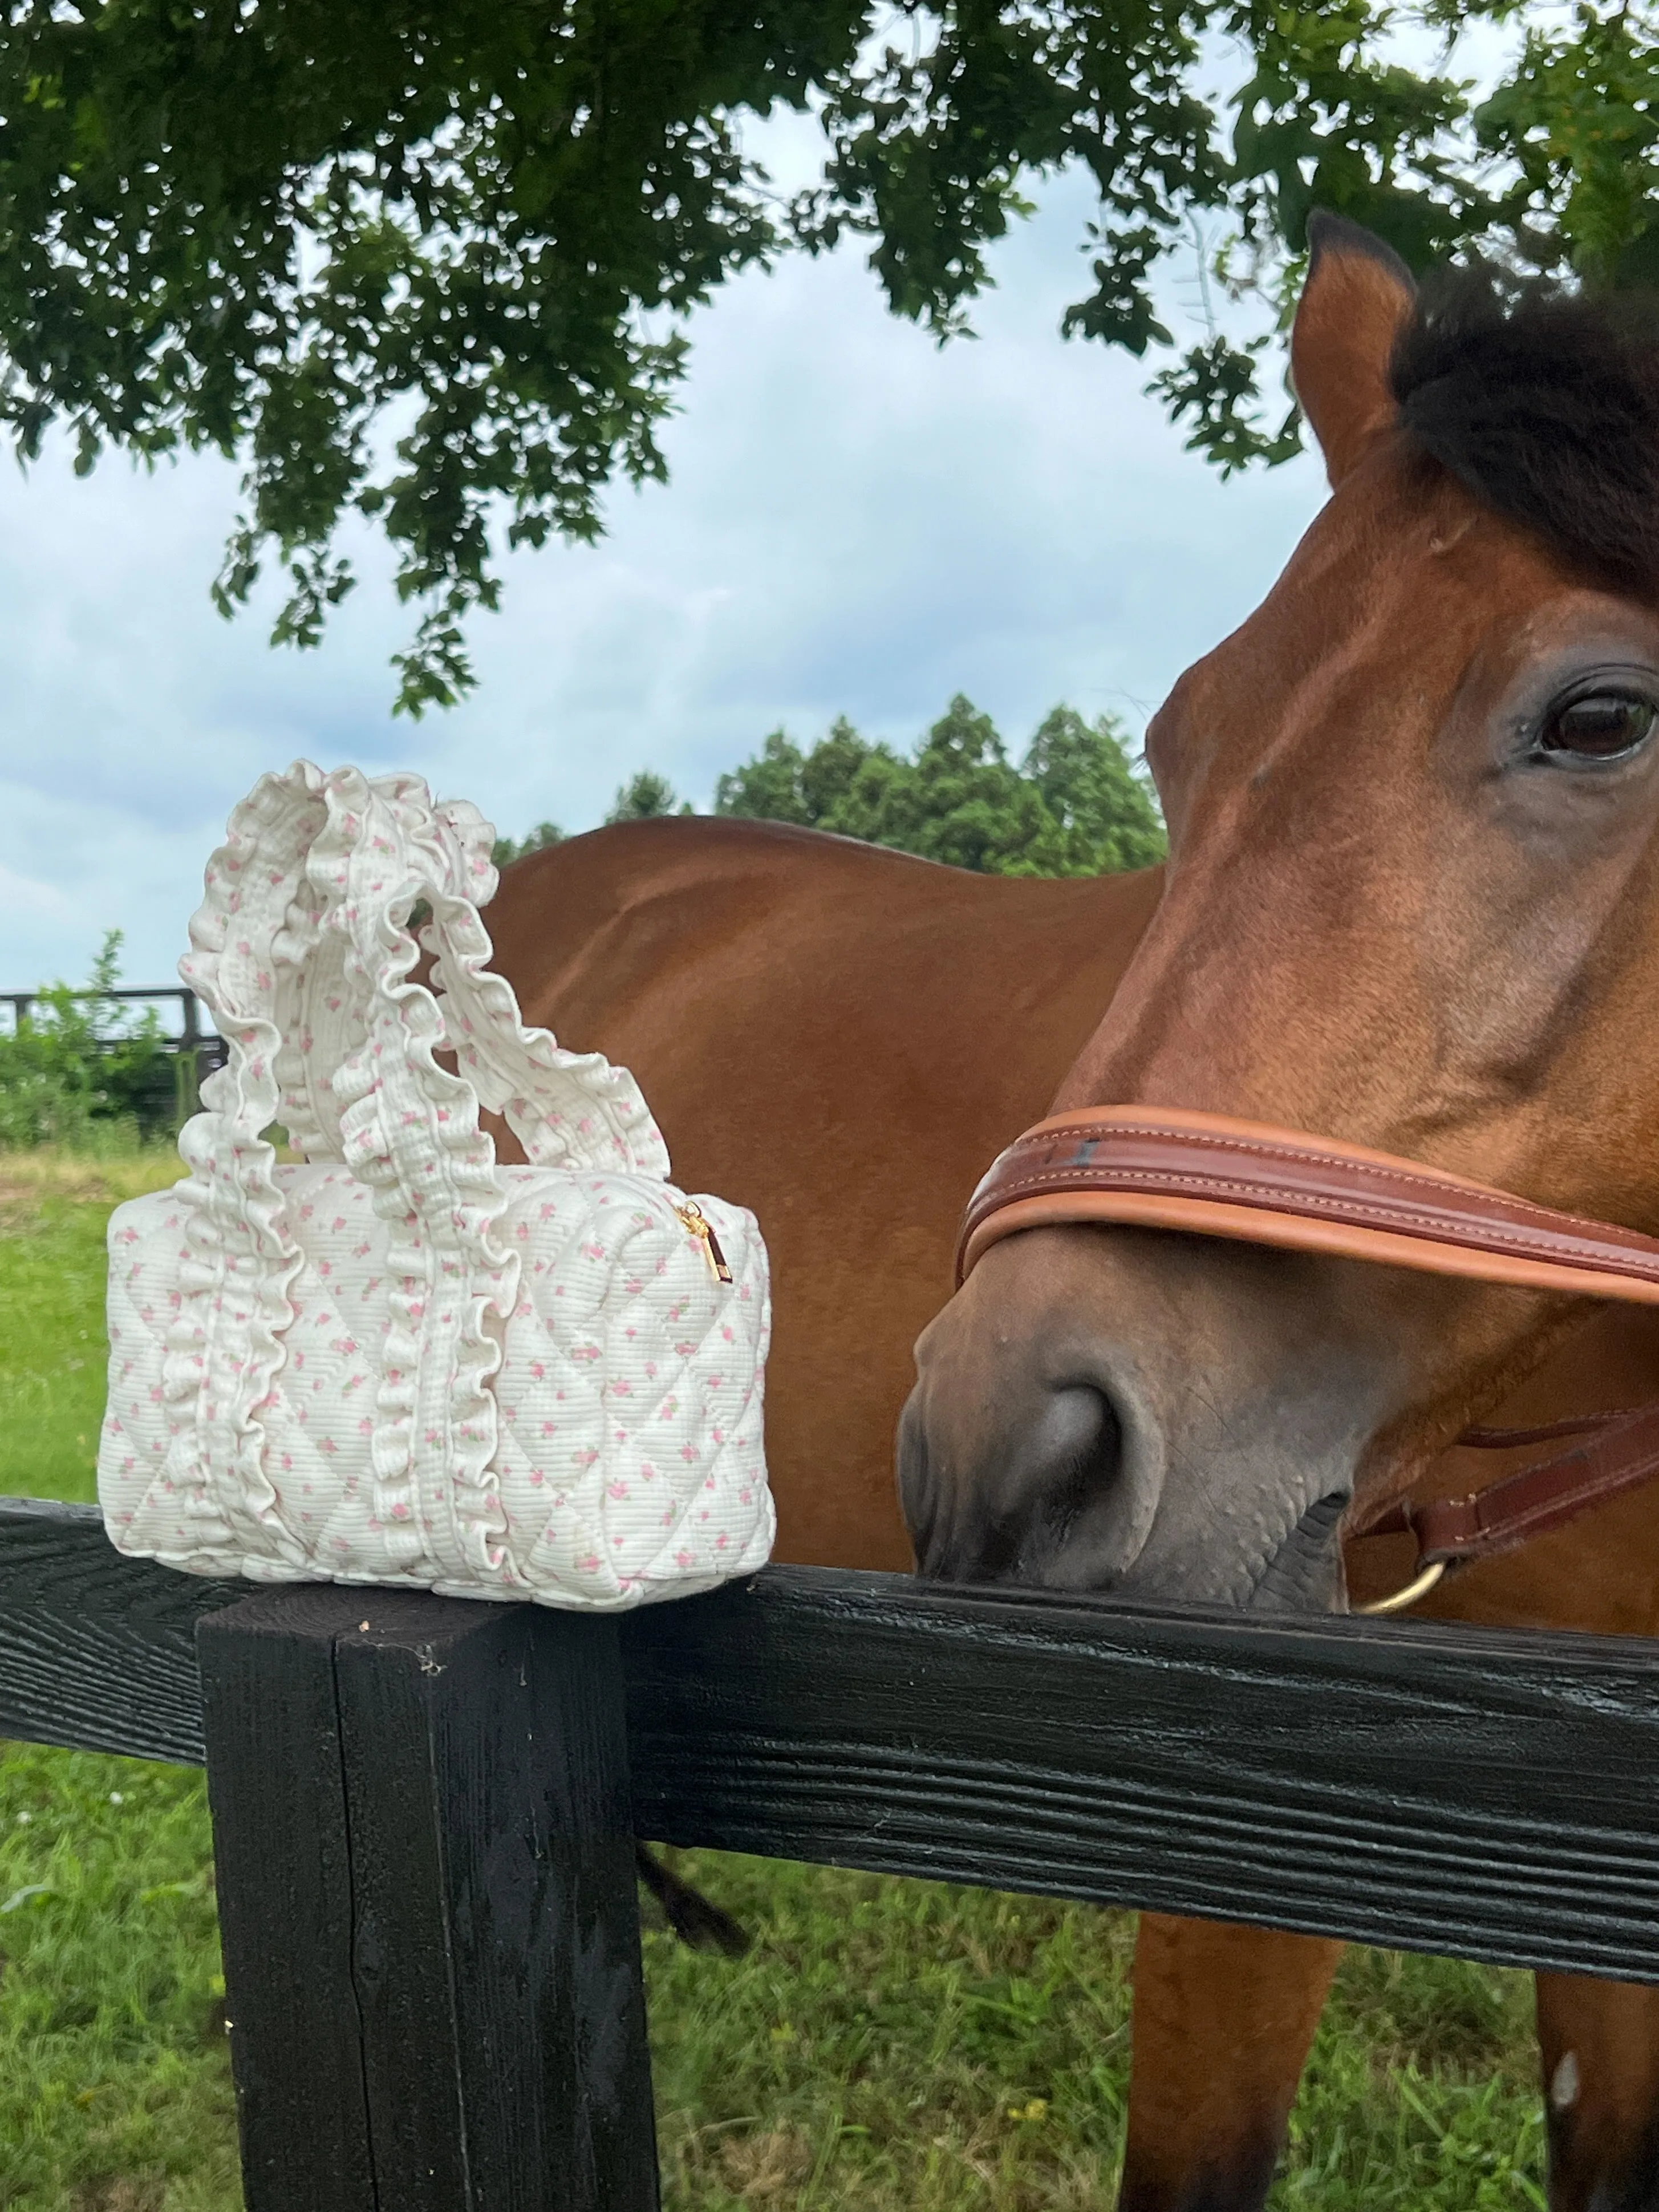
(700, 1225)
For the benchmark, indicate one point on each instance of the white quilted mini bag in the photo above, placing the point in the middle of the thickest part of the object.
(400, 1363)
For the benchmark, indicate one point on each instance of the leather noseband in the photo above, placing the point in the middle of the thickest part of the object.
(1210, 1176)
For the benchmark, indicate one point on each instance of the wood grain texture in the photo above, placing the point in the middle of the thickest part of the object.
(1464, 1790)
(1483, 1793)
(497, 1947)
(97, 1651)
(283, 1863)
(425, 1854)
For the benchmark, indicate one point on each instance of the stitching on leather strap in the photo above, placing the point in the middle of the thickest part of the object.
(1255, 1148)
(1472, 1234)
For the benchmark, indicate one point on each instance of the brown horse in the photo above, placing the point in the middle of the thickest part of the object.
(1411, 902)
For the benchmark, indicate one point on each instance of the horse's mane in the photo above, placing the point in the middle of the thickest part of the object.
(1544, 404)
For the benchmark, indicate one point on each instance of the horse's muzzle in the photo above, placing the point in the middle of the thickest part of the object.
(1111, 1415)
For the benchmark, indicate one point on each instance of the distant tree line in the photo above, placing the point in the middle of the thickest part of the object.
(1073, 806)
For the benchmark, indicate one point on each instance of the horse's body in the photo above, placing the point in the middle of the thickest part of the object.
(842, 1038)
(1396, 915)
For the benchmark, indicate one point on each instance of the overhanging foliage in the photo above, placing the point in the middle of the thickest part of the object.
(430, 261)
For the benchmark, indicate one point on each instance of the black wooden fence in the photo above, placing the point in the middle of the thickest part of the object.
(424, 1811)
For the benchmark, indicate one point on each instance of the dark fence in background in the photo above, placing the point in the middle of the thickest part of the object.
(193, 1050)
(424, 1811)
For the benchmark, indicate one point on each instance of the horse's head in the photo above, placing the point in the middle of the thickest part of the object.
(1413, 902)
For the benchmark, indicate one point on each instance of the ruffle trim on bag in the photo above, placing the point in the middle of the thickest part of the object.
(225, 1345)
(569, 1109)
(410, 1130)
(320, 1021)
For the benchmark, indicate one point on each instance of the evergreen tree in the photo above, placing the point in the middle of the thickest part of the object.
(507, 849)
(1107, 816)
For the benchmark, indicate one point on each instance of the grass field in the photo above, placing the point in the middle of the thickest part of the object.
(887, 2046)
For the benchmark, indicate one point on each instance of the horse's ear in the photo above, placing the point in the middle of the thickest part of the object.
(1358, 294)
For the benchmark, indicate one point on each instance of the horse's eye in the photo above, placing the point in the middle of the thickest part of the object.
(1600, 726)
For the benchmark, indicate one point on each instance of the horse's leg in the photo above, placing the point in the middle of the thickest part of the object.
(1223, 2019)
(697, 1922)
(1599, 2045)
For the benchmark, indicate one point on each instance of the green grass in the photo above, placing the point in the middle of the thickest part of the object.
(888, 2046)
(114, 2091)
(53, 1348)
(912, 2044)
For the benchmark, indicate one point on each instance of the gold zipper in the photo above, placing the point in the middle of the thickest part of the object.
(701, 1227)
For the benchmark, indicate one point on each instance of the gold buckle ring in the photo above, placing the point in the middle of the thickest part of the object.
(1419, 1587)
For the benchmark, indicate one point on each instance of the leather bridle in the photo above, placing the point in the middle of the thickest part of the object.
(1211, 1175)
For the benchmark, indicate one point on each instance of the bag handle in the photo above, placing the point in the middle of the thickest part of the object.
(302, 990)
(301, 945)
(410, 1130)
(386, 847)
(258, 923)
(569, 1109)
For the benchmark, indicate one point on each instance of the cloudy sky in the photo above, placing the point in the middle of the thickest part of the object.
(857, 522)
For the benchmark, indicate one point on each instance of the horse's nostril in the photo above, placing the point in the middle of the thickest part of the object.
(1086, 1442)
(1010, 1515)
(1065, 1454)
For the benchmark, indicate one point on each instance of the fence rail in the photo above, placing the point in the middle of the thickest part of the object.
(424, 1811)
(192, 1036)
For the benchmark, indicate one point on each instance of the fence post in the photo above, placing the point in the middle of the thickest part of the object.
(425, 1862)
(187, 1062)
(186, 1085)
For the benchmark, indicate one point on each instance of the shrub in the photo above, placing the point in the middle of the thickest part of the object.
(83, 1070)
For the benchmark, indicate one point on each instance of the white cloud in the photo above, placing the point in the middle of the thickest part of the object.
(856, 521)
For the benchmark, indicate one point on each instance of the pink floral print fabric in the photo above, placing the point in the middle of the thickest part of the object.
(399, 1362)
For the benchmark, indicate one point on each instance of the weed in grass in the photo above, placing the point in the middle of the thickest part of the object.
(886, 2046)
(102, 1176)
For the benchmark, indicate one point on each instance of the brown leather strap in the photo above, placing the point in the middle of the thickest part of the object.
(1209, 1175)
(1218, 1177)
(1575, 1425)
(1619, 1455)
